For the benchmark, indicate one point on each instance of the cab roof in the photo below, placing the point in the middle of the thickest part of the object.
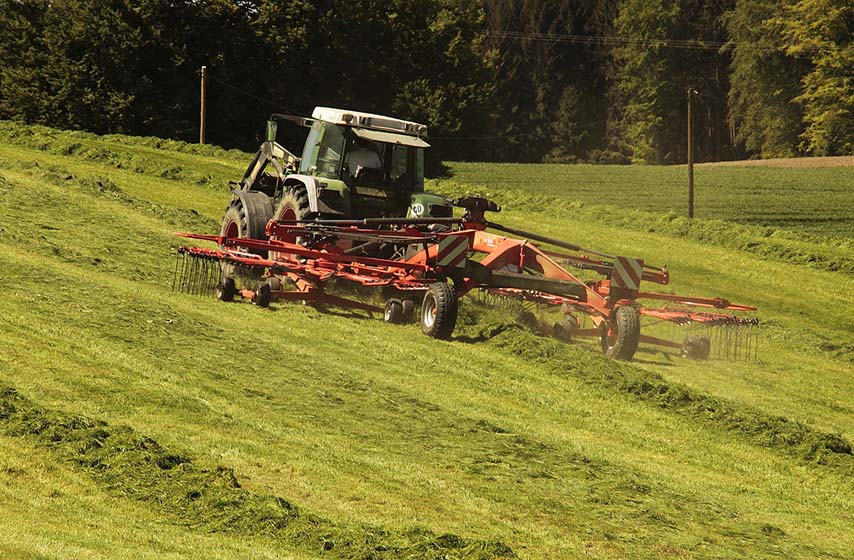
(368, 121)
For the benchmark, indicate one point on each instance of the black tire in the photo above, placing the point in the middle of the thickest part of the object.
(294, 205)
(563, 330)
(439, 311)
(263, 296)
(625, 320)
(226, 289)
(529, 320)
(696, 347)
(408, 310)
(393, 312)
(562, 333)
(247, 217)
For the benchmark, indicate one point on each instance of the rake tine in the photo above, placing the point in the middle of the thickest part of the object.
(756, 346)
(178, 256)
(737, 338)
(205, 277)
(211, 277)
(184, 265)
(748, 328)
(191, 277)
(195, 285)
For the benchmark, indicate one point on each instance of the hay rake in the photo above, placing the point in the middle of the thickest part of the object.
(433, 262)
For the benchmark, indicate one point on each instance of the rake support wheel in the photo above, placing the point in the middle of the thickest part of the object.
(263, 296)
(622, 340)
(226, 290)
(696, 347)
(393, 312)
(439, 311)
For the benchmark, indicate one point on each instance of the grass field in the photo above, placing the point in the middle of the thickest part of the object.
(818, 200)
(138, 422)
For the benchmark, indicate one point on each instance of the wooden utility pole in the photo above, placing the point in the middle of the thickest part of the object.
(691, 94)
(203, 111)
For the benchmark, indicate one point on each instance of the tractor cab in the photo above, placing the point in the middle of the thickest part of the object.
(378, 160)
(365, 156)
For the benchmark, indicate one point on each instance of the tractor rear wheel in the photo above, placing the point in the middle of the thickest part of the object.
(294, 206)
(439, 311)
(622, 342)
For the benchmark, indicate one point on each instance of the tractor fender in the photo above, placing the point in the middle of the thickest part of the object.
(259, 210)
(312, 189)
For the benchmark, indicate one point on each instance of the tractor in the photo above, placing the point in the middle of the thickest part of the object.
(354, 165)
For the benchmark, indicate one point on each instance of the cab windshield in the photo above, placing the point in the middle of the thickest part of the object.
(336, 152)
(323, 150)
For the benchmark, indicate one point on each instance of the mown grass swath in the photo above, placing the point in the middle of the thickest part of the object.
(193, 426)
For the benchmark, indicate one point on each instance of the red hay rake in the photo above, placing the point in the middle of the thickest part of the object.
(434, 262)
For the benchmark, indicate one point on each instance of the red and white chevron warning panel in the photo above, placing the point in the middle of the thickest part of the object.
(627, 273)
(453, 250)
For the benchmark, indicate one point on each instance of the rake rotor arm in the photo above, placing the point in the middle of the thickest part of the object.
(544, 239)
(300, 251)
(650, 273)
(711, 303)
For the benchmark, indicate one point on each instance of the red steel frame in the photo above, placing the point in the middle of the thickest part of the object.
(507, 266)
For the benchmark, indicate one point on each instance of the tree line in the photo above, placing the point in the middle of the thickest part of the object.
(499, 80)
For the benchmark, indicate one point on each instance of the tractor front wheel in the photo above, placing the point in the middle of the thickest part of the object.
(247, 222)
(620, 336)
(439, 311)
(246, 218)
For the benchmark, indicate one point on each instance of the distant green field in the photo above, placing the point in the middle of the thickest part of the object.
(214, 430)
(812, 200)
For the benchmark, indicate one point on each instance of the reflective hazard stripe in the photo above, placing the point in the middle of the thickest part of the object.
(453, 250)
(627, 272)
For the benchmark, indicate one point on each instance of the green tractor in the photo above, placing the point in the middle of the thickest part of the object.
(353, 166)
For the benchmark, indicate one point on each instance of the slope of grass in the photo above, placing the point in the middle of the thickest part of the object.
(378, 431)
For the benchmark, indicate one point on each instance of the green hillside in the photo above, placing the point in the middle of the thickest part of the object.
(138, 422)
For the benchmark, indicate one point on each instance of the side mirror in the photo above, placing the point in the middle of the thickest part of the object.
(272, 128)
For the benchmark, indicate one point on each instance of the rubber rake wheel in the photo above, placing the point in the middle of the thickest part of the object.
(621, 340)
(439, 311)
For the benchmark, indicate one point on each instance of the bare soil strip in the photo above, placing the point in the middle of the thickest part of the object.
(803, 162)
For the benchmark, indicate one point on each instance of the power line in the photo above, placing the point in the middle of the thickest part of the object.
(618, 41)
(256, 97)
(712, 97)
(169, 82)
